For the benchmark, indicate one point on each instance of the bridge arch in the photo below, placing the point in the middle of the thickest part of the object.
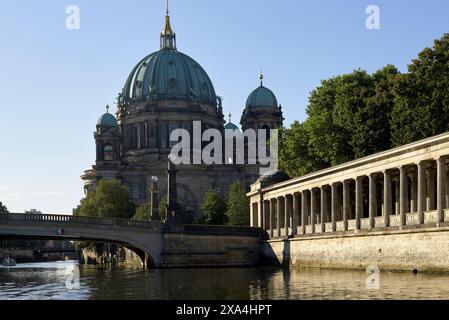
(143, 237)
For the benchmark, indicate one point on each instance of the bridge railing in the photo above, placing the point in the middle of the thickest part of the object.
(54, 218)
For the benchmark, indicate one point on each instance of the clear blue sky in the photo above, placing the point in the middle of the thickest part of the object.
(54, 83)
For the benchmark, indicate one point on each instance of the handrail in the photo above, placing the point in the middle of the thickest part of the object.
(78, 219)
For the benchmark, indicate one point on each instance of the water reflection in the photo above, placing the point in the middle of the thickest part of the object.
(47, 281)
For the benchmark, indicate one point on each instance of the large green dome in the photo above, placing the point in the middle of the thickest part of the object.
(262, 97)
(168, 74)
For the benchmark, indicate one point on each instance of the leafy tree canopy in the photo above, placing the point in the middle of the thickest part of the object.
(213, 209)
(238, 205)
(110, 199)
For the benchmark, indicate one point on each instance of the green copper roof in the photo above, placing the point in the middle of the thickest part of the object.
(262, 97)
(107, 120)
(231, 126)
(168, 74)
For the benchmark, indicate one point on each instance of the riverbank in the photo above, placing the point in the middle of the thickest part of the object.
(422, 249)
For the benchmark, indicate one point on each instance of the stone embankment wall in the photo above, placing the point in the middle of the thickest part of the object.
(211, 246)
(423, 249)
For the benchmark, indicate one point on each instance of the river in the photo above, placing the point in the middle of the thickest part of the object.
(43, 281)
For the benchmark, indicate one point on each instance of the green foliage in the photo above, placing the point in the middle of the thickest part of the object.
(238, 205)
(213, 209)
(421, 105)
(3, 208)
(358, 114)
(110, 199)
(143, 212)
(348, 118)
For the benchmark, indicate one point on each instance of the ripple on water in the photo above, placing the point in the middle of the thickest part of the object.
(47, 281)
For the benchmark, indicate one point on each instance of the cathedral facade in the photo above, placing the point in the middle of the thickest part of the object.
(165, 91)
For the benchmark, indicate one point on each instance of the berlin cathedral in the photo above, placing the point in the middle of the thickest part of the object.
(167, 90)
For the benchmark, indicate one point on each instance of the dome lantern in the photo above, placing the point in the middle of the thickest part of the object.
(168, 36)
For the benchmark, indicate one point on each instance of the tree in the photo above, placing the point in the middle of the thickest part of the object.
(421, 107)
(110, 199)
(348, 118)
(213, 209)
(238, 205)
(3, 208)
(143, 212)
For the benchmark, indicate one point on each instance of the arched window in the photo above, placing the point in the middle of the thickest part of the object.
(108, 152)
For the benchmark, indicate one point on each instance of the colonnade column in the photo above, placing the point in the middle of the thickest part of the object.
(278, 214)
(295, 213)
(387, 198)
(430, 190)
(402, 192)
(420, 195)
(346, 204)
(260, 214)
(447, 188)
(372, 203)
(312, 210)
(441, 172)
(323, 208)
(413, 193)
(334, 200)
(358, 202)
(287, 213)
(304, 210)
(251, 214)
(272, 213)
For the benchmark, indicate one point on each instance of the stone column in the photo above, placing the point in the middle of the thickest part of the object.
(334, 199)
(430, 188)
(358, 202)
(278, 213)
(441, 172)
(312, 209)
(372, 208)
(304, 211)
(272, 213)
(387, 198)
(287, 214)
(397, 193)
(421, 180)
(251, 214)
(172, 194)
(260, 214)
(402, 192)
(295, 213)
(324, 208)
(413, 193)
(446, 191)
(154, 198)
(346, 204)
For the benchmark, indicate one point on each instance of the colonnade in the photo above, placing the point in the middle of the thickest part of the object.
(409, 194)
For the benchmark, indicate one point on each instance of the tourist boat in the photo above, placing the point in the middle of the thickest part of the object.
(9, 262)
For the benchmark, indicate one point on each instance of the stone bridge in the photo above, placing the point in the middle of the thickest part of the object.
(157, 244)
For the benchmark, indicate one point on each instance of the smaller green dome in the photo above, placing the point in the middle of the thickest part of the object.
(230, 126)
(107, 120)
(262, 97)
